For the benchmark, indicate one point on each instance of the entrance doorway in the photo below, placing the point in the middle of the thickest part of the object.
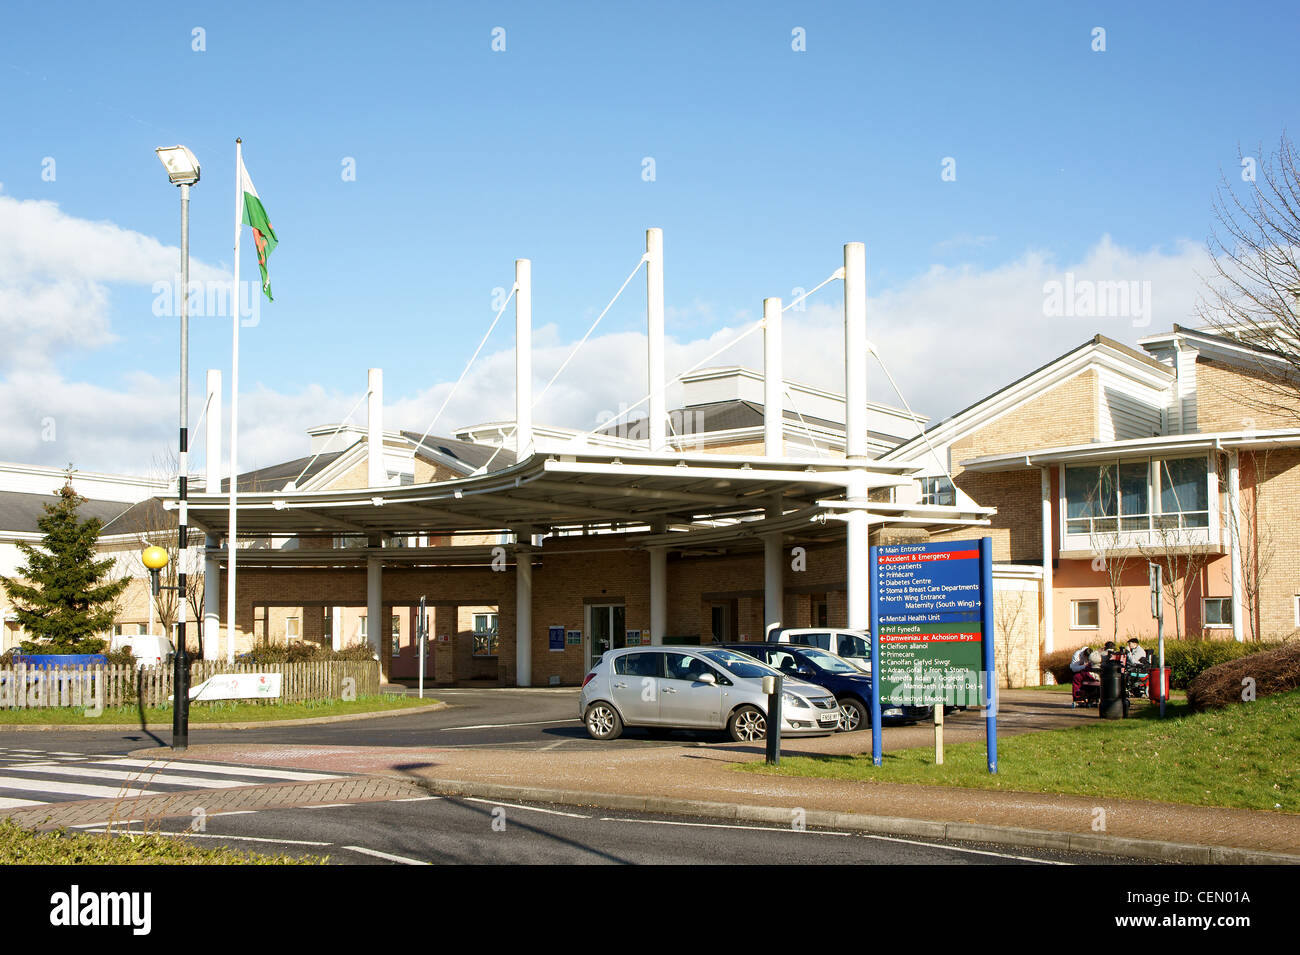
(606, 629)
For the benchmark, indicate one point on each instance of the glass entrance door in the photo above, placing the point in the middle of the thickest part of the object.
(605, 630)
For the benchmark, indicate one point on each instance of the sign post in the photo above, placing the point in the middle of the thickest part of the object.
(932, 632)
(422, 635)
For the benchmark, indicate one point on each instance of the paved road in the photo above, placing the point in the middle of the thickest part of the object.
(534, 718)
(447, 830)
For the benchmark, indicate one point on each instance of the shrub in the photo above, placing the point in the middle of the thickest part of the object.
(301, 652)
(1273, 671)
(1057, 663)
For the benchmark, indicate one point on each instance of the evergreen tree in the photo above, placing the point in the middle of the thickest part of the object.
(62, 595)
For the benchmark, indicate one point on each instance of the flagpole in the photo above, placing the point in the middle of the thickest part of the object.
(231, 549)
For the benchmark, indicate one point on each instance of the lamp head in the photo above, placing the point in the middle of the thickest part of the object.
(155, 557)
(182, 167)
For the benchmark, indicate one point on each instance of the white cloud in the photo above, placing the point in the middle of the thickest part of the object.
(54, 273)
(950, 336)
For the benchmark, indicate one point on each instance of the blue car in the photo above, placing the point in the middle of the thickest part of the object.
(850, 685)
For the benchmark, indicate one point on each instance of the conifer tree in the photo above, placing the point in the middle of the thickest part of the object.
(63, 596)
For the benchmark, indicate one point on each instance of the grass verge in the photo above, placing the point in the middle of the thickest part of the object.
(1241, 757)
(19, 846)
(218, 711)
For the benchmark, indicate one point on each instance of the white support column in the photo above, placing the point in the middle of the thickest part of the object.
(211, 601)
(773, 573)
(212, 465)
(1233, 518)
(658, 594)
(376, 473)
(337, 627)
(1049, 596)
(523, 615)
(375, 608)
(773, 381)
(654, 298)
(523, 358)
(858, 524)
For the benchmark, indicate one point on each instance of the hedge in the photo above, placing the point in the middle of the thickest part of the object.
(1262, 674)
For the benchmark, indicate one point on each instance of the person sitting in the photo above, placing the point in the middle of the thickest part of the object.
(1081, 667)
(1137, 657)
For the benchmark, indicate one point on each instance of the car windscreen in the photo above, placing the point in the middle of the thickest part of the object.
(739, 664)
(829, 661)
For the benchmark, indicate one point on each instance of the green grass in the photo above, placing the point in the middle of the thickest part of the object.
(19, 846)
(1065, 688)
(1244, 756)
(222, 711)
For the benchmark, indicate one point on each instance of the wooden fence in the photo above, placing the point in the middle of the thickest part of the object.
(90, 686)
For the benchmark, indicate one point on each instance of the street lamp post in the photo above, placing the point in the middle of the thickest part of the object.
(182, 171)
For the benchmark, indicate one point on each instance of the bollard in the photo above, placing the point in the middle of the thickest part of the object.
(1112, 691)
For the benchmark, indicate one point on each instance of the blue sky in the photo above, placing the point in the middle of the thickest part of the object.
(766, 161)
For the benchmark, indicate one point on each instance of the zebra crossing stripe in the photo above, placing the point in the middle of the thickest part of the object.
(159, 778)
(283, 775)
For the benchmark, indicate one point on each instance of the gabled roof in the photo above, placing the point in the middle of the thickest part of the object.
(463, 456)
(1035, 382)
(276, 476)
(19, 511)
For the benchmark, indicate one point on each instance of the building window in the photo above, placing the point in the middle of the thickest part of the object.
(1085, 614)
(487, 641)
(938, 490)
(361, 627)
(291, 629)
(1122, 496)
(397, 635)
(1218, 612)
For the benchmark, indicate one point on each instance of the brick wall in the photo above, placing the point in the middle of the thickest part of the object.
(1229, 399)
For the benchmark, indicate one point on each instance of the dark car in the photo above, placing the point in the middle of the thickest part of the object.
(850, 685)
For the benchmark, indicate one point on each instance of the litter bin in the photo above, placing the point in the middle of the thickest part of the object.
(1112, 691)
(1158, 682)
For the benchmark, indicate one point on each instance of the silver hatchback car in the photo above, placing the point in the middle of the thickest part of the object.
(697, 688)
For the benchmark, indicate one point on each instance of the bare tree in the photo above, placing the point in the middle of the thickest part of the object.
(1181, 554)
(1255, 544)
(1008, 606)
(1254, 290)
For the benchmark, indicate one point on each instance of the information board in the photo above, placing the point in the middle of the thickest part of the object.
(929, 623)
(932, 633)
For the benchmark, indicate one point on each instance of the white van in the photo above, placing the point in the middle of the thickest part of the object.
(852, 645)
(149, 649)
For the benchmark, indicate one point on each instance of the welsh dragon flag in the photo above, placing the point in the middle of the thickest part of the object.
(255, 218)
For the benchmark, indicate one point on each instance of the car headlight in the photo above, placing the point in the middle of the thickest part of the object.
(789, 699)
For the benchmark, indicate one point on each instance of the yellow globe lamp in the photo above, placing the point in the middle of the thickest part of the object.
(155, 558)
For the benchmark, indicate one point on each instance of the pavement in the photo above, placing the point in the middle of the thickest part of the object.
(552, 761)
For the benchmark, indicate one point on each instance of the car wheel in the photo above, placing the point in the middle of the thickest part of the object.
(747, 725)
(853, 715)
(603, 721)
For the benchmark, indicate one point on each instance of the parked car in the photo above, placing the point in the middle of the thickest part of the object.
(709, 688)
(148, 649)
(852, 687)
(852, 645)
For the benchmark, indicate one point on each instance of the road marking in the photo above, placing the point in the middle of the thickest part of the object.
(76, 789)
(213, 835)
(384, 855)
(559, 742)
(115, 822)
(6, 803)
(719, 825)
(415, 798)
(327, 805)
(498, 726)
(978, 852)
(514, 805)
(283, 774)
(154, 778)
